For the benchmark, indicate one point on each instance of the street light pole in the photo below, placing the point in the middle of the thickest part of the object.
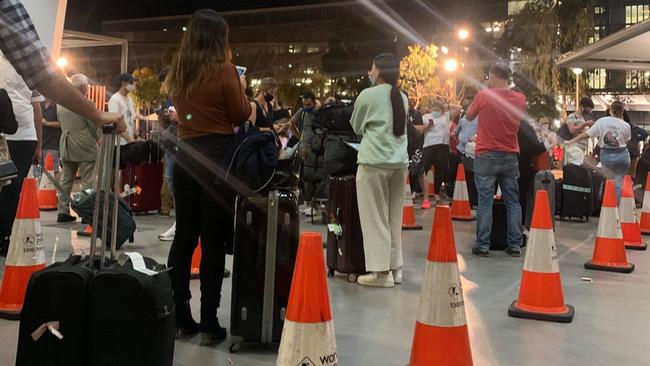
(577, 71)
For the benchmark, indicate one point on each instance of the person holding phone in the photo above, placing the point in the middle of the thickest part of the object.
(436, 145)
(266, 104)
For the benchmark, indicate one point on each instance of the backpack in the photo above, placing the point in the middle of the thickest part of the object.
(340, 158)
(334, 117)
(252, 160)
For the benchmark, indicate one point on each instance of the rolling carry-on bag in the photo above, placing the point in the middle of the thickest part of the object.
(577, 196)
(265, 247)
(345, 252)
(130, 306)
(149, 177)
(499, 235)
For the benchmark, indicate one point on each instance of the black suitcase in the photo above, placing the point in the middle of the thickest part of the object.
(345, 252)
(577, 196)
(499, 234)
(107, 312)
(266, 244)
(544, 180)
(131, 314)
(598, 191)
(56, 296)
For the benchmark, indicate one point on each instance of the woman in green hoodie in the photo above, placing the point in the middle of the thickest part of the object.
(380, 117)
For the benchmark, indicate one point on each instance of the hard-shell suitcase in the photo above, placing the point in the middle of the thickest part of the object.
(266, 244)
(544, 180)
(149, 177)
(345, 252)
(577, 197)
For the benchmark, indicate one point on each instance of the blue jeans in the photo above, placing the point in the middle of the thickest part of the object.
(616, 161)
(168, 174)
(503, 168)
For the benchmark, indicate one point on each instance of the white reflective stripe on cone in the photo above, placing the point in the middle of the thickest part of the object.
(627, 210)
(646, 202)
(541, 254)
(441, 298)
(460, 192)
(26, 247)
(46, 183)
(608, 224)
(307, 344)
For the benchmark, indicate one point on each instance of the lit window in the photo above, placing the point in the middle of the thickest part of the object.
(599, 10)
(313, 49)
(636, 13)
(635, 79)
(596, 79)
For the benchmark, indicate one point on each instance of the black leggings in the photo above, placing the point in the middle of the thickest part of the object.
(438, 157)
(22, 154)
(203, 209)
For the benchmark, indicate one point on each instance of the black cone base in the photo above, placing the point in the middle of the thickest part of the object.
(567, 317)
(599, 267)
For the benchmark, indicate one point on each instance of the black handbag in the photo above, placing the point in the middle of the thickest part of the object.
(8, 169)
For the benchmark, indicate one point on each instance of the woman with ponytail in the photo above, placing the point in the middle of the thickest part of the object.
(380, 117)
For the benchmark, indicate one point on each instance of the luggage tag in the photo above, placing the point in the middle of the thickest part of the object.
(52, 327)
(137, 261)
(335, 228)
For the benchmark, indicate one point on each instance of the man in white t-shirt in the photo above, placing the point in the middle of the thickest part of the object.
(122, 103)
(22, 144)
(436, 145)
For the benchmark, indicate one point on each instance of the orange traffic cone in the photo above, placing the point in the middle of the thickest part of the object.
(26, 253)
(87, 231)
(431, 182)
(629, 224)
(408, 211)
(609, 251)
(441, 336)
(308, 333)
(644, 222)
(47, 199)
(460, 207)
(540, 295)
(196, 262)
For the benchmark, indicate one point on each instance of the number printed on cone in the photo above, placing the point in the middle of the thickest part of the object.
(437, 310)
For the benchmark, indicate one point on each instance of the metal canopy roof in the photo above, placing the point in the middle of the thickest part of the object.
(623, 50)
(74, 39)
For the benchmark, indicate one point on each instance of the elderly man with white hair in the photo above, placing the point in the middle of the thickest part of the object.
(78, 149)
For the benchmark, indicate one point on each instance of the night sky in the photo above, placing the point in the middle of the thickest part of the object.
(87, 15)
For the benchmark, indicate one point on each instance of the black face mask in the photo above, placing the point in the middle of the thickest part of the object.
(268, 98)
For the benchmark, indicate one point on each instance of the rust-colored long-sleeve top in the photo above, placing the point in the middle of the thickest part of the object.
(217, 105)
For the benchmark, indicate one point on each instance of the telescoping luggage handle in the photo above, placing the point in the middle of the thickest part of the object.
(109, 158)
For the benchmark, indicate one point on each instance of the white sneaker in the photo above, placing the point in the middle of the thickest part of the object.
(397, 275)
(169, 234)
(377, 279)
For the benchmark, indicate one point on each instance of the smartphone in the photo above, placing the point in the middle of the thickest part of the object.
(241, 70)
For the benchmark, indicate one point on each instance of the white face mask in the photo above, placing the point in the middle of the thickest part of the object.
(130, 87)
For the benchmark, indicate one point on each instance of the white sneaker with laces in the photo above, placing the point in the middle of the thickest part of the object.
(377, 279)
(169, 234)
(397, 275)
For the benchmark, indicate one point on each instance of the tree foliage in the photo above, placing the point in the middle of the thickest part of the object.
(420, 76)
(147, 93)
(538, 35)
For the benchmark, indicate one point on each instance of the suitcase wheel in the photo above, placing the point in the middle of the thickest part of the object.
(352, 277)
(234, 347)
(330, 272)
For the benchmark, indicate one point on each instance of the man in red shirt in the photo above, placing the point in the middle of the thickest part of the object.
(500, 110)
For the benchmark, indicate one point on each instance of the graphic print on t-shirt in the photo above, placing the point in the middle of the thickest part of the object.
(611, 139)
